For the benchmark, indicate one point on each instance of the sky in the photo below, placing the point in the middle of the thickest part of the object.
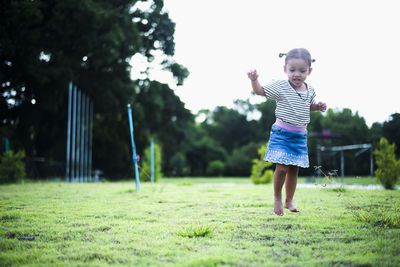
(355, 43)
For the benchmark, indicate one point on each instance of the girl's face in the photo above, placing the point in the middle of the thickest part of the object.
(297, 71)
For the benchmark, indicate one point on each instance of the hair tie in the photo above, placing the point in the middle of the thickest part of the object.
(282, 54)
(312, 60)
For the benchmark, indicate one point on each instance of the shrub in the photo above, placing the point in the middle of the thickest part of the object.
(145, 167)
(240, 160)
(388, 171)
(260, 174)
(12, 167)
(215, 168)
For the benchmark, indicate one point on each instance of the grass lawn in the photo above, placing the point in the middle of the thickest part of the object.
(192, 222)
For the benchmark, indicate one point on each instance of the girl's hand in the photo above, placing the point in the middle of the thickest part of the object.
(321, 106)
(253, 75)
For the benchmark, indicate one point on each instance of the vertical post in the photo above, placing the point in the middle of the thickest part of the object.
(133, 148)
(152, 159)
(6, 144)
(67, 172)
(342, 165)
(81, 178)
(78, 136)
(90, 139)
(73, 137)
(87, 139)
(371, 162)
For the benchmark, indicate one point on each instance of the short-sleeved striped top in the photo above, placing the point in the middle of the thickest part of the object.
(291, 106)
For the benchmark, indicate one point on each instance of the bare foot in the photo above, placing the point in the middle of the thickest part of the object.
(278, 208)
(291, 207)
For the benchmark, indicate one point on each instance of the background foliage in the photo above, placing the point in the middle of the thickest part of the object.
(388, 171)
(12, 167)
(46, 44)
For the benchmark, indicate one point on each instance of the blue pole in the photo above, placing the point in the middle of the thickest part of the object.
(90, 139)
(87, 140)
(73, 145)
(82, 149)
(152, 159)
(78, 137)
(6, 144)
(133, 148)
(67, 172)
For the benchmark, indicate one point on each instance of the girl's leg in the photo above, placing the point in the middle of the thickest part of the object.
(290, 187)
(279, 179)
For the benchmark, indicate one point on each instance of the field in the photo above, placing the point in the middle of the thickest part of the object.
(195, 222)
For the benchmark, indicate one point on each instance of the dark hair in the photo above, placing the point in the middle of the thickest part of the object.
(301, 53)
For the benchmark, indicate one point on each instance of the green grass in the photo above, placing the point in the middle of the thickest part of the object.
(349, 180)
(192, 222)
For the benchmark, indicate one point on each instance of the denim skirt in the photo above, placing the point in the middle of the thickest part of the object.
(288, 145)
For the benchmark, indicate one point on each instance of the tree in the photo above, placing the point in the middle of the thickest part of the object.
(388, 171)
(161, 114)
(267, 110)
(240, 160)
(390, 130)
(200, 150)
(46, 44)
(352, 129)
(230, 129)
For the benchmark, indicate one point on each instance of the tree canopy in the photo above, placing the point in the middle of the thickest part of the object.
(46, 44)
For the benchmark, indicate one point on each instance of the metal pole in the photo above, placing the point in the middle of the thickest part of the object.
(81, 179)
(152, 159)
(87, 139)
(6, 144)
(78, 137)
(133, 148)
(67, 172)
(90, 139)
(342, 165)
(73, 138)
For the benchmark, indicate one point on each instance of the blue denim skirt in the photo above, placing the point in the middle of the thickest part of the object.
(287, 146)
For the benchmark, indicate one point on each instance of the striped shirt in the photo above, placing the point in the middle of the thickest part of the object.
(291, 106)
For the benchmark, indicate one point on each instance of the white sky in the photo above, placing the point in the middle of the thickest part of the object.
(355, 43)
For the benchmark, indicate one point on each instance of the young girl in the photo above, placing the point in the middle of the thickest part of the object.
(288, 140)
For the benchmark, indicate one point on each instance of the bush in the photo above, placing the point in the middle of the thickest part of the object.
(260, 174)
(12, 167)
(388, 171)
(215, 168)
(145, 167)
(240, 160)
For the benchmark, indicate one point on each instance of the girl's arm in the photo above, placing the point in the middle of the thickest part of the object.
(253, 76)
(320, 106)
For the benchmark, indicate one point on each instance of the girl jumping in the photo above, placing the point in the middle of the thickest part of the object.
(287, 146)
